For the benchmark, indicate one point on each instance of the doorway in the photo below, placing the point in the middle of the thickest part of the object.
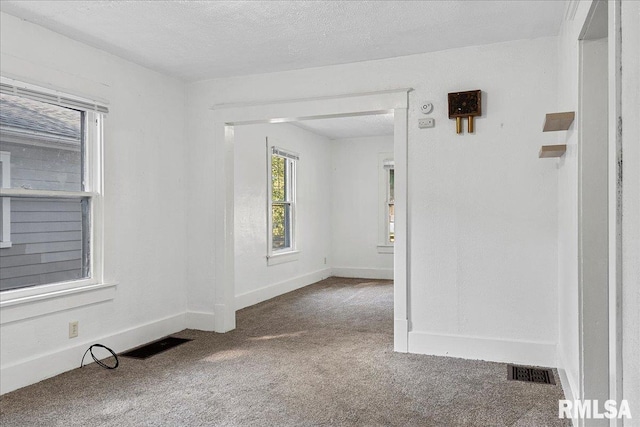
(226, 117)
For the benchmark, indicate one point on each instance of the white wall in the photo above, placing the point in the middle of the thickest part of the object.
(631, 205)
(355, 205)
(255, 280)
(482, 207)
(145, 203)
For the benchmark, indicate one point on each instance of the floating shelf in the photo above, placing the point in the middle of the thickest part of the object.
(558, 121)
(552, 151)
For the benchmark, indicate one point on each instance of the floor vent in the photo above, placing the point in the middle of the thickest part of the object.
(155, 347)
(530, 375)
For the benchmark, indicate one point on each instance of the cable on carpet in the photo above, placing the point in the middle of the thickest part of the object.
(98, 361)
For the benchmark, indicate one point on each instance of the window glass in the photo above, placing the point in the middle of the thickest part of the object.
(45, 143)
(282, 202)
(45, 236)
(391, 207)
(278, 181)
(49, 242)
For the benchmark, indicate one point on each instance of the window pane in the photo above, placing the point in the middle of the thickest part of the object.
(45, 142)
(281, 227)
(50, 242)
(392, 234)
(391, 185)
(278, 183)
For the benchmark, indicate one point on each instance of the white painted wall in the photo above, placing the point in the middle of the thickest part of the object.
(255, 280)
(482, 208)
(631, 205)
(355, 205)
(144, 203)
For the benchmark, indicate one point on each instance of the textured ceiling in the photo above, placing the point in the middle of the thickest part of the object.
(195, 40)
(350, 127)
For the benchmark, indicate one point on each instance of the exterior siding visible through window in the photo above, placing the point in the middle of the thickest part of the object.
(49, 194)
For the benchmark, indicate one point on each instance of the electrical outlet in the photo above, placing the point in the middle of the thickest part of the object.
(426, 123)
(325, 260)
(73, 329)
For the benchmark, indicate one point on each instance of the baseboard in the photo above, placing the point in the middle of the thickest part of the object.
(479, 348)
(569, 387)
(400, 335)
(363, 273)
(41, 367)
(259, 295)
(200, 321)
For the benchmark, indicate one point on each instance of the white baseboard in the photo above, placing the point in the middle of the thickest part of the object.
(400, 335)
(43, 366)
(259, 295)
(490, 349)
(363, 273)
(569, 386)
(200, 321)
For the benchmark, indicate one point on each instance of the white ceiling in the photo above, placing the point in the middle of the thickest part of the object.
(350, 127)
(195, 40)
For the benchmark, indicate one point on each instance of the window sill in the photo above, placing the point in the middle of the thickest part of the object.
(281, 258)
(385, 249)
(23, 304)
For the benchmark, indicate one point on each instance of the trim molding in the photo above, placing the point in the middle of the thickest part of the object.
(478, 348)
(43, 366)
(259, 295)
(566, 382)
(51, 302)
(400, 335)
(363, 273)
(200, 320)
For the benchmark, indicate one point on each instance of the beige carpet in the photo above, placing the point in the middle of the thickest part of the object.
(319, 356)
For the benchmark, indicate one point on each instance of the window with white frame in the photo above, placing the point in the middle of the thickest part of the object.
(386, 197)
(50, 147)
(5, 202)
(282, 201)
(390, 206)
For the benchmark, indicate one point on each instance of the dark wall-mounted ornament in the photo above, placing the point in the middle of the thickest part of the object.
(465, 104)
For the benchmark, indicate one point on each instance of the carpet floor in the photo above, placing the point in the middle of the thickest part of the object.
(319, 356)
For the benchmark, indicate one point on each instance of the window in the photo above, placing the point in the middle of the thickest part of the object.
(386, 196)
(282, 202)
(50, 159)
(5, 202)
(390, 233)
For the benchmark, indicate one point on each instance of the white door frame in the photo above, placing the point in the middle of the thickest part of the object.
(230, 115)
(614, 206)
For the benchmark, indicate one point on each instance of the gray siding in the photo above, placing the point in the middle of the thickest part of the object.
(47, 243)
(46, 234)
(43, 168)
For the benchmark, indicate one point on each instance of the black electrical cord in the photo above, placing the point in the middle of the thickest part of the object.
(98, 361)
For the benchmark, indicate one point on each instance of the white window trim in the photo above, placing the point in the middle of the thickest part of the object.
(18, 304)
(5, 202)
(384, 245)
(291, 253)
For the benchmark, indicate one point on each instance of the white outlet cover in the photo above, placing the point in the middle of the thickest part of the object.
(73, 329)
(426, 123)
